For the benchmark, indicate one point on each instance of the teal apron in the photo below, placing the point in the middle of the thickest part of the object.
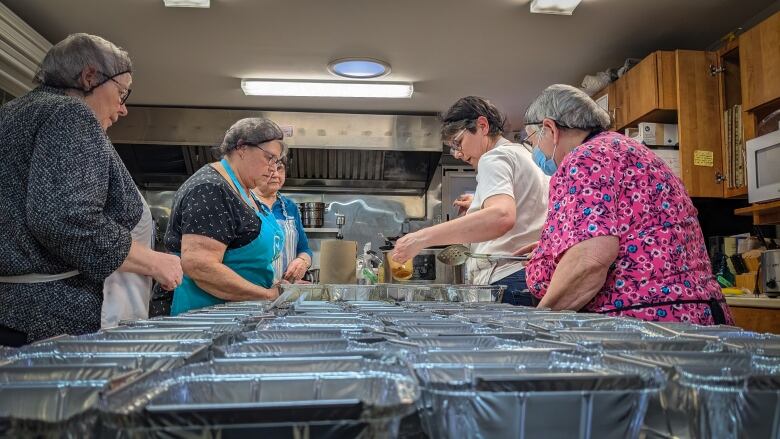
(253, 262)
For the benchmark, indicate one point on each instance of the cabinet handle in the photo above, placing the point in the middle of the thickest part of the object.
(715, 70)
(719, 177)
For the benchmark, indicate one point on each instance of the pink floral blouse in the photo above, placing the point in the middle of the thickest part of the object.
(613, 185)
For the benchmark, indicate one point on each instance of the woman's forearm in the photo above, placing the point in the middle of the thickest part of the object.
(491, 222)
(140, 260)
(222, 282)
(580, 274)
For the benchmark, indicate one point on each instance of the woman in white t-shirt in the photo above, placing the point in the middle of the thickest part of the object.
(508, 208)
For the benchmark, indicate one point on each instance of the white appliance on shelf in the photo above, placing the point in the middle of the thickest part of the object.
(763, 167)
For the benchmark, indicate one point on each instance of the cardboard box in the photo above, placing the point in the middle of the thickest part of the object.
(658, 134)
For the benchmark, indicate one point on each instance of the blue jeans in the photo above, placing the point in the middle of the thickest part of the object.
(516, 292)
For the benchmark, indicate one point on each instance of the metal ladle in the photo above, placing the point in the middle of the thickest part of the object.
(458, 253)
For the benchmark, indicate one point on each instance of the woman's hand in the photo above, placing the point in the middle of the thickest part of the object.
(296, 270)
(167, 270)
(408, 247)
(463, 203)
(526, 249)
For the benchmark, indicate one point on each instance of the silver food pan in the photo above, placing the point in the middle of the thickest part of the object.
(312, 334)
(128, 360)
(714, 395)
(55, 401)
(630, 341)
(323, 320)
(15, 375)
(460, 343)
(435, 329)
(532, 394)
(219, 397)
(231, 326)
(278, 348)
(52, 409)
(759, 344)
(149, 334)
(70, 346)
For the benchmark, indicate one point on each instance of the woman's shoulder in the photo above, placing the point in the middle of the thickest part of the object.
(46, 103)
(205, 180)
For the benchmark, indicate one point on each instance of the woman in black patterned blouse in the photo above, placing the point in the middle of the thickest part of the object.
(68, 203)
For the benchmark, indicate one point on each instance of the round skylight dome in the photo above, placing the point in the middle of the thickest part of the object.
(358, 68)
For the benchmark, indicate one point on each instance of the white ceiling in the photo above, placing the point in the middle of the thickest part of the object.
(448, 48)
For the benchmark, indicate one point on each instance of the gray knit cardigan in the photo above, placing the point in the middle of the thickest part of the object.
(66, 202)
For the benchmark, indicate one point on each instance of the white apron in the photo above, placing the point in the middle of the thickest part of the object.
(289, 252)
(126, 295)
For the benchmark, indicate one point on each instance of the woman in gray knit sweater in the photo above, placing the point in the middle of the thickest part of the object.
(68, 203)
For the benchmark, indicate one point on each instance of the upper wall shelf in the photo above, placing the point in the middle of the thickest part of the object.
(763, 213)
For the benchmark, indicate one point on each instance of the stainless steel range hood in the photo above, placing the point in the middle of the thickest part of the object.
(331, 152)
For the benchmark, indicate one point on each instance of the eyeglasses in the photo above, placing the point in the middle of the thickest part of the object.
(273, 161)
(530, 131)
(124, 92)
(455, 145)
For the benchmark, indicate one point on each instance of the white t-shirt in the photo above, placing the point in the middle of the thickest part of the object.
(508, 169)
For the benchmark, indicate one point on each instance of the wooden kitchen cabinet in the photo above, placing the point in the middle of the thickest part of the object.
(759, 52)
(699, 123)
(730, 89)
(614, 103)
(649, 87)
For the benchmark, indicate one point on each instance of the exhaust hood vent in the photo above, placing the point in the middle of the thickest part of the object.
(341, 153)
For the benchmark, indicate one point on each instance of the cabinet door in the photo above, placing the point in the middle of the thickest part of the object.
(759, 53)
(699, 124)
(619, 105)
(642, 87)
(650, 86)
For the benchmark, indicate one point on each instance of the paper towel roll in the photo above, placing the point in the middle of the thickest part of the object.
(337, 261)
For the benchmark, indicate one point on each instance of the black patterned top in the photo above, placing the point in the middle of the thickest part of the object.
(207, 205)
(67, 202)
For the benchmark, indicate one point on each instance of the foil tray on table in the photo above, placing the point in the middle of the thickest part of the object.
(282, 348)
(336, 397)
(55, 401)
(498, 394)
(713, 395)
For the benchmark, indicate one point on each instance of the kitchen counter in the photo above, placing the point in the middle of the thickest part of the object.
(760, 314)
(752, 301)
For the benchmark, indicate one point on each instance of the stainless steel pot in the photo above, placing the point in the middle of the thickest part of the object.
(312, 214)
(770, 272)
(426, 269)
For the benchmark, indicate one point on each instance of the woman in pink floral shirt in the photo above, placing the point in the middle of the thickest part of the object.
(621, 235)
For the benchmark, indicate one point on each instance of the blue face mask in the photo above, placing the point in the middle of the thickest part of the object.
(547, 166)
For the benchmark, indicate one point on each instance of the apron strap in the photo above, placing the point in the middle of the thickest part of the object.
(35, 278)
(717, 311)
(227, 173)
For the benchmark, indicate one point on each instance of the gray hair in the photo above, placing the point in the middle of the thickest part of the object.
(569, 107)
(64, 62)
(251, 131)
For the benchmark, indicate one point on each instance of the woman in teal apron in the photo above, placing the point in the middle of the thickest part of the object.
(296, 255)
(228, 240)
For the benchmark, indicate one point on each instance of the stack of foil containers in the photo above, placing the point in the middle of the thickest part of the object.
(393, 361)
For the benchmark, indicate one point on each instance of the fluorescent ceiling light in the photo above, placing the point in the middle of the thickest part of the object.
(358, 68)
(341, 89)
(187, 3)
(558, 7)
